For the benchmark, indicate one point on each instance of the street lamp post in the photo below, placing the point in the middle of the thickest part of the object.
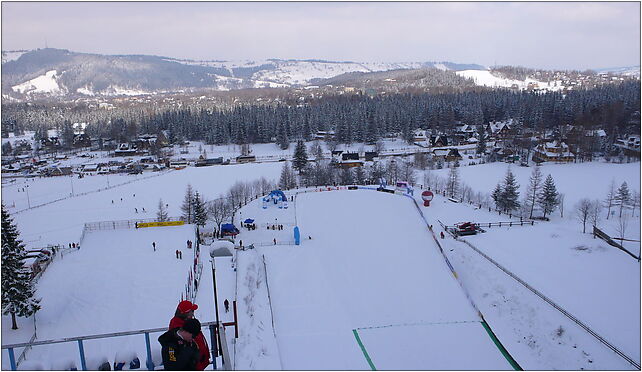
(28, 201)
(220, 351)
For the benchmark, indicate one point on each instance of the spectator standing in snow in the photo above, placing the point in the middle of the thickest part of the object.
(154, 245)
(136, 209)
(180, 254)
(442, 234)
(227, 305)
(274, 241)
(177, 253)
(185, 313)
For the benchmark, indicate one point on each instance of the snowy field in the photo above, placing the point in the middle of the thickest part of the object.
(576, 181)
(114, 283)
(62, 222)
(585, 276)
(370, 267)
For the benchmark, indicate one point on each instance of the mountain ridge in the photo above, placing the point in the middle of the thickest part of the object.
(59, 73)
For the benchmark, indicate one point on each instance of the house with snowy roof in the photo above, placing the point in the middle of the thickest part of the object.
(419, 136)
(450, 154)
(630, 145)
(500, 129)
(553, 151)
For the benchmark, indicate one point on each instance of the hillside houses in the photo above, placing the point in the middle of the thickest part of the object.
(553, 151)
(629, 145)
(500, 130)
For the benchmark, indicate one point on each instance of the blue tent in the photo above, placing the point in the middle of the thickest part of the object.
(229, 229)
(249, 220)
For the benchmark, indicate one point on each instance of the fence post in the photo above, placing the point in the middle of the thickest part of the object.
(83, 364)
(150, 363)
(214, 350)
(12, 359)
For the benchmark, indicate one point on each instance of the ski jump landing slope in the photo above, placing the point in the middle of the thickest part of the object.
(371, 291)
(114, 283)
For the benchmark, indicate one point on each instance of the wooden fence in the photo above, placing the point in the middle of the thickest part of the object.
(604, 236)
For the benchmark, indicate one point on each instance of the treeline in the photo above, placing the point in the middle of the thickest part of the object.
(361, 118)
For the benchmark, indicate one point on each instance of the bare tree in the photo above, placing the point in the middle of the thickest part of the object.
(533, 191)
(622, 225)
(583, 212)
(635, 202)
(219, 210)
(453, 182)
(420, 160)
(379, 146)
(560, 199)
(610, 197)
(316, 150)
(595, 212)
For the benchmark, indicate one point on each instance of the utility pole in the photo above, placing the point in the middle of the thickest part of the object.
(218, 334)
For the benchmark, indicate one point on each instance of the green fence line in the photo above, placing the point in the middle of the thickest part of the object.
(501, 347)
(363, 349)
(418, 324)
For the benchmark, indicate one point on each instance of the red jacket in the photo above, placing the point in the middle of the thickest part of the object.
(201, 342)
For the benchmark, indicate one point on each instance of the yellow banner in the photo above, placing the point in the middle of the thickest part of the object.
(154, 224)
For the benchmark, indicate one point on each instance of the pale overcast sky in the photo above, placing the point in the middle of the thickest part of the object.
(575, 35)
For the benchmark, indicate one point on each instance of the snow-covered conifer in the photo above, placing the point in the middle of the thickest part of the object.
(622, 197)
(17, 289)
(200, 211)
(534, 188)
(300, 156)
(188, 205)
(548, 198)
(510, 194)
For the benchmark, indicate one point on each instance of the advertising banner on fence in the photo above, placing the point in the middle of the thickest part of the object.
(154, 224)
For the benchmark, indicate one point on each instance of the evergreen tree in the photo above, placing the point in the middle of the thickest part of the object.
(481, 144)
(300, 156)
(372, 130)
(200, 211)
(161, 214)
(288, 178)
(67, 134)
(534, 188)
(346, 176)
(497, 197)
(549, 197)
(376, 172)
(282, 137)
(510, 194)
(17, 288)
(622, 197)
(360, 176)
(188, 205)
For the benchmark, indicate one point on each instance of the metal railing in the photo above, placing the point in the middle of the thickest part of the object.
(213, 327)
(122, 224)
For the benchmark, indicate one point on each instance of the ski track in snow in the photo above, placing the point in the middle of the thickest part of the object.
(527, 326)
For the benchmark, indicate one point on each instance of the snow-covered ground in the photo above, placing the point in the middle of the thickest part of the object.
(372, 268)
(585, 276)
(46, 83)
(576, 181)
(486, 78)
(62, 222)
(347, 277)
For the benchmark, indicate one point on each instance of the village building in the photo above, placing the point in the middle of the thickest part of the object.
(553, 151)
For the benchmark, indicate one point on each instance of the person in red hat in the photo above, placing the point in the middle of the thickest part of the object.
(184, 311)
